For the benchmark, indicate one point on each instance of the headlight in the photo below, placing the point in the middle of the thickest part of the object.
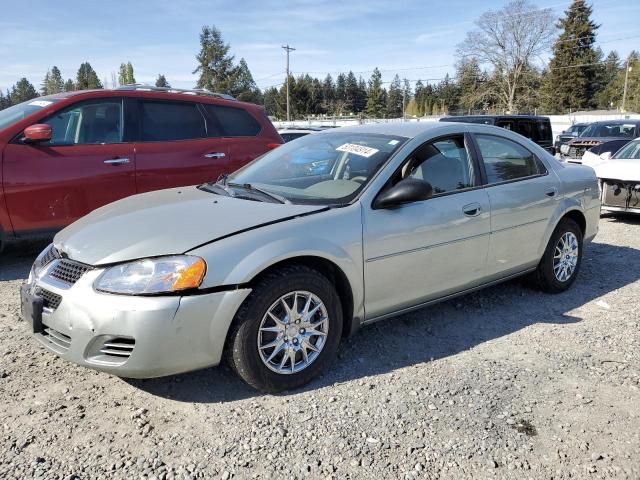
(41, 262)
(153, 275)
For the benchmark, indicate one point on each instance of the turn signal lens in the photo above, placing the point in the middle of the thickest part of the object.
(191, 277)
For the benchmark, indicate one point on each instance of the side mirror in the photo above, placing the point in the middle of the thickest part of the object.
(606, 155)
(40, 132)
(405, 191)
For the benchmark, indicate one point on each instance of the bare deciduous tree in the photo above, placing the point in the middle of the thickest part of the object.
(509, 40)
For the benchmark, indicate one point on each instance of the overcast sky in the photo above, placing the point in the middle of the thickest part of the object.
(415, 39)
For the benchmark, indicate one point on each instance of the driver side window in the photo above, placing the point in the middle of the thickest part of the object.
(88, 123)
(445, 163)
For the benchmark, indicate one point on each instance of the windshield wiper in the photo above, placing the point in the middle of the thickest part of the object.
(217, 188)
(251, 188)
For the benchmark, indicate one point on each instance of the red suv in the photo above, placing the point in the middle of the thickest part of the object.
(63, 155)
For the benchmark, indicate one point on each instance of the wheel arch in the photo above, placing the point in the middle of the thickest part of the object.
(333, 273)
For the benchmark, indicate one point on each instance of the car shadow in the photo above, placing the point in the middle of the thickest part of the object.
(16, 259)
(431, 333)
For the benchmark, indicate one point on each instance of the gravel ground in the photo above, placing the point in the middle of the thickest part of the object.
(504, 383)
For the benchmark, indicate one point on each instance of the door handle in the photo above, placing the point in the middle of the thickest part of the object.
(472, 209)
(214, 155)
(117, 161)
(551, 192)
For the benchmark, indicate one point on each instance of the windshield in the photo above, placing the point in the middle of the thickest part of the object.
(610, 130)
(631, 150)
(328, 168)
(14, 114)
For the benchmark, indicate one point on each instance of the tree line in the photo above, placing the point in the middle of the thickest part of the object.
(495, 71)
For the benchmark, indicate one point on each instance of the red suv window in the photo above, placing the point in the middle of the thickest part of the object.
(166, 121)
(231, 122)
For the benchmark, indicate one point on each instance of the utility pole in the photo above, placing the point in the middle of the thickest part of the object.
(288, 49)
(626, 82)
(404, 91)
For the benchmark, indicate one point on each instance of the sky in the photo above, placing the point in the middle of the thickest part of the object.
(414, 38)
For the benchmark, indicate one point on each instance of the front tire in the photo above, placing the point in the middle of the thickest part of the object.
(561, 260)
(287, 331)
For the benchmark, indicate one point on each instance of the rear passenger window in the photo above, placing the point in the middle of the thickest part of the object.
(506, 160)
(166, 121)
(231, 121)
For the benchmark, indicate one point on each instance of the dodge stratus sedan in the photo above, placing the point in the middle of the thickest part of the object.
(273, 264)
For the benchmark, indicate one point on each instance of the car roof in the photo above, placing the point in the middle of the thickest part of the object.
(413, 129)
(616, 122)
(524, 117)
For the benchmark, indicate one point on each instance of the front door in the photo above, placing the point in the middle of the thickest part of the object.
(85, 166)
(425, 250)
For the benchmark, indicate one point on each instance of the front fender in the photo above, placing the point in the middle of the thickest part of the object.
(334, 236)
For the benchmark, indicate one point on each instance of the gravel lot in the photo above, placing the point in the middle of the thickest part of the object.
(504, 383)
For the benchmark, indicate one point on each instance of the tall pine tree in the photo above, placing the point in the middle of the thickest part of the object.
(22, 91)
(394, 98)
(571, 78)
(243, 86)
(376, 95)
(87, 78)
(215, 64)
(161, 81)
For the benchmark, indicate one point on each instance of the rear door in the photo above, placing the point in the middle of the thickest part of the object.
(241, 132)
(523, 195)
(86, 165)
(176, 146)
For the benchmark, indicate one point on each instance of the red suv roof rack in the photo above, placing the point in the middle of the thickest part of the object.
(187, 91)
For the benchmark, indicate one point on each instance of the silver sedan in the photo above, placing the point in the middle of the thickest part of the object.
(272, 265)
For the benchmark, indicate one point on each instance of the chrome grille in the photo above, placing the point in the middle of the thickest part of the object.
(51, 254)
(57, 339)
(577, 152)
(50, 300)
(118, 347)
(68, 271)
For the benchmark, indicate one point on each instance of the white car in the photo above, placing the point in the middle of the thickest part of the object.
(619, 177)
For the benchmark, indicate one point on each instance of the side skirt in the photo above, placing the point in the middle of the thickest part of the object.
(448, 297)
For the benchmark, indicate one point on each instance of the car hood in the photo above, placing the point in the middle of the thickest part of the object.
(165, 222)
(624, 169)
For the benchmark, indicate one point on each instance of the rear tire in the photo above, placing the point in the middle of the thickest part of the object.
(561, 261)
(265, 320)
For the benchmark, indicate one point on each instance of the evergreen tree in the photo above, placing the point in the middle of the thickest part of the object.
(270, 99)
(22, 91)
(632, 103)
(361, 100)
(130, 77)
(470, 82)
(122, 74)
(394, 98)
(328, 94)
(447, 95)
(351, 93)
(53, 82)
(243, 87)
(5, 101)
(87, 78)
(215, 64)
(376, 95)
(161, 81)
(69, 86)
(341, 91)
(571, 79)
(610, 69)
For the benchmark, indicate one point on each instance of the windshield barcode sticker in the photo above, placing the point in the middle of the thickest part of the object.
(357, 149)
(41, 103)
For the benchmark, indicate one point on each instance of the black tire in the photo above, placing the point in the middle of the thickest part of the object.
(242, 350)
(544, 276)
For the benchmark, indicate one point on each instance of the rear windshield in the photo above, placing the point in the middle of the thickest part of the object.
(626, 130)
(631, 150)
(18, 112)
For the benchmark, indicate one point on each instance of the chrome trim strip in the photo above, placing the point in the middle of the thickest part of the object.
(447, 297)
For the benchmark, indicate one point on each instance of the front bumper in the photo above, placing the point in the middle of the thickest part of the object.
(133, 336)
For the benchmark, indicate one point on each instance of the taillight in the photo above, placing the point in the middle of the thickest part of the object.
(271, 146)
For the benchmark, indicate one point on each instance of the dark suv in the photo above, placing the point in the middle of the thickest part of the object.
(64, 155)
(537, 129)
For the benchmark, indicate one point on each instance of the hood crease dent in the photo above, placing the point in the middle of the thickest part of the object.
(166, 222)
